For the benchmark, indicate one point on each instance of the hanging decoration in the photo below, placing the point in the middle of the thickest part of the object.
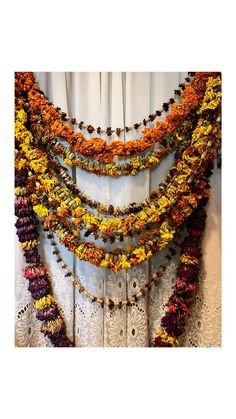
(45, 189)
(51, 125)
(118, 131)
(53, 325)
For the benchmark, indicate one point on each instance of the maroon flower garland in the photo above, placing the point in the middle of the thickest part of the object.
(173, 322)
(53, 326)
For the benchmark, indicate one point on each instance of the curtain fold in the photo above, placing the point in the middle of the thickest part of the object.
(117, 100)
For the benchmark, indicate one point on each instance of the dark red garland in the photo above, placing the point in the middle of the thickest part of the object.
(174, 321)
(39, 283)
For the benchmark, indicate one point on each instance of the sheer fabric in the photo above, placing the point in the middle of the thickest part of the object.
(116, 100)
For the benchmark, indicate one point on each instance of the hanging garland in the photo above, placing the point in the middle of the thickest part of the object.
(118, 131)
(88, 219)
(111, 303)
(201, 150)
(97, 147)
(179, 304)
(193, 126)
(131, 167)
(87, 251)
(53, 326)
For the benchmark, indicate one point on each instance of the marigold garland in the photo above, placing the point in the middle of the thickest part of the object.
(53, 325)
(112, 303)
(131, 167)
(109, 131)
(97, 147)
(201, 148)
(179, 304)
(39, 163)
(182, 196)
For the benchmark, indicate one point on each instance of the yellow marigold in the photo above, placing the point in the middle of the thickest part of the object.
(136, 162)
(21, 134)
(79, 249)
(78, 212)
(167, 236)
(192, 200)
(41, 210)
(123, 263)
(140, 254)
(39, 165)
(20, 191)
(181, 178)
(48, 183)
(212, 96)
(190, 260)
(153, 160)
(163, 202)
(68, 161)
(63, 205)
(203, 128)
(166, 231)
(88, 219)
(28, 245)
(166, 338)
(75, 202)
(21, 116)
(44, 302)
(190, 159)
(104, 264)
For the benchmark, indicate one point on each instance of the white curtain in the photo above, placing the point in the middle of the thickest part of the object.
(116, 100)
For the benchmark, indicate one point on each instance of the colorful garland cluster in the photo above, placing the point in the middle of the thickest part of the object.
(87, 251)
(53, 325)
(178, 198)
(192, 126)
(131, 167)
(112, 303)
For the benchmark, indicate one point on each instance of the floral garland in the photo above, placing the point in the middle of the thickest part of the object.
(133, 166)
(201, 144)
(53, 325)
(33, 168)
(97, 147)
(109, 131)
(132, 208)
(173, 322)
(112, 303)
(87, 251)
(133, 223)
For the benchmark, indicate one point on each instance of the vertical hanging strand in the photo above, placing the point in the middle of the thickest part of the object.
(64, 292)
(163, 84)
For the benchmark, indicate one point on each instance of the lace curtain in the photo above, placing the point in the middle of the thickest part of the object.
(116, 100)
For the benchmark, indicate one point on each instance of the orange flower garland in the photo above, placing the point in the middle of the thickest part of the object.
(98, 147)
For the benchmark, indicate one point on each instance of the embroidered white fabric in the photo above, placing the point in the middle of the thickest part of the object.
(118, 99)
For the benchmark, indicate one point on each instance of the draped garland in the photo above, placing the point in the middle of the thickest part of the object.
(44, 188)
